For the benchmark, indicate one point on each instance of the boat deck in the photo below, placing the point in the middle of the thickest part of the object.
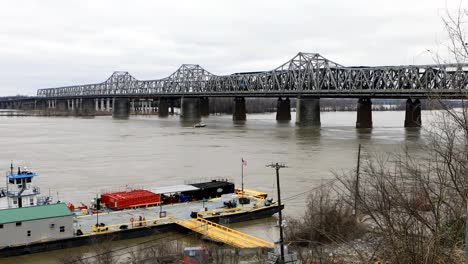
(224, 234)
(115, 220)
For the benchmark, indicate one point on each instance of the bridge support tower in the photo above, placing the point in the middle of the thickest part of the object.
(40, 105)
(364, 113)
(205, 106)
(413, 113)
(308, 111)
(87, 107)
(240, 113)
(121, 108)
(163, 107)
(190, 108)
(60, 105)
(283, 109)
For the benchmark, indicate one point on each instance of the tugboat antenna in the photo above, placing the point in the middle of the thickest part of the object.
(11, 168)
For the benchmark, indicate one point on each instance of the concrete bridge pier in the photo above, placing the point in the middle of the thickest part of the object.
(102, 105)
(60, 106)
(308, 111)
(144, 106)
(240, 113)
(132, 106)
(205, 106)
(87, 107)
(190, 108)
(40, 105)
(121, 108)
(364, 113)
(108, 105)
(413, 113)
(163, 107)
(172, 107)
(283, 109)
(51, 103)
(151, 106)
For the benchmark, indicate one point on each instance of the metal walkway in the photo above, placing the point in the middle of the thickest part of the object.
(224, 234)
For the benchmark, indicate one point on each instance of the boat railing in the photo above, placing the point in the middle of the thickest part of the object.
(138, 224)
(235, 232)
(122, 189)
(207, 179)
(34, 189)
(43, 200)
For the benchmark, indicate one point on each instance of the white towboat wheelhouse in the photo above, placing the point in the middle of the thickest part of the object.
(20, 191)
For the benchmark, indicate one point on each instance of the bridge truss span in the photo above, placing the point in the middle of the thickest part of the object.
(305, 74)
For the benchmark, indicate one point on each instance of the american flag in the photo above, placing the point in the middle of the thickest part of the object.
(244, 162)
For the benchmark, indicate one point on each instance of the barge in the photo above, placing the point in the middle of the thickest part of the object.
(42, 225)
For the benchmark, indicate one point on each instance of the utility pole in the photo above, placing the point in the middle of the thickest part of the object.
(277, 167)
(466, 227)
(356, 190)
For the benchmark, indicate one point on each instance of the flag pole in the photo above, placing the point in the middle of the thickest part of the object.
(242, 176)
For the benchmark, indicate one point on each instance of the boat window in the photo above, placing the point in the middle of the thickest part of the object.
(62, 228)
(28, 179)
(29, 232)
(31, 201)
(18, 223)
(15, 201)
(18, 181)
(11, 181)
(1, 226)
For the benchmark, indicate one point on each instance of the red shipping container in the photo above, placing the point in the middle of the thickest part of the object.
(123, 200)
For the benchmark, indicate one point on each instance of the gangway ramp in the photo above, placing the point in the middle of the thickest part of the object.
(224, 234)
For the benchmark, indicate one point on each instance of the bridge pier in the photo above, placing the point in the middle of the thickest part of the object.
(60, 106)
(40, 105)
(205, 106)
(190, 108)
(413, 113)
(87, 107)
(121, 108)
(239, 113)
(364, 113)
(163, 107)
(144, 106)
(108, 105)
(308, 111)
(283, 109)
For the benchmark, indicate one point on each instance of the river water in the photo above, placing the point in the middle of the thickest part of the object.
(79, 157)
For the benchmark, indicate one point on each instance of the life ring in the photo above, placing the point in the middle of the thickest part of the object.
(131, 219)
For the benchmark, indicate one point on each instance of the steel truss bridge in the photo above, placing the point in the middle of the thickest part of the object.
(306, 74)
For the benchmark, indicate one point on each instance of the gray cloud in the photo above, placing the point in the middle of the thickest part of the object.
(56, 43)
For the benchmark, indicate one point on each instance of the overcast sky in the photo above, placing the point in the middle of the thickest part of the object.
(46, 44)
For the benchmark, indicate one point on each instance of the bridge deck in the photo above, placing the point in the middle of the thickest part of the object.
(224, 234)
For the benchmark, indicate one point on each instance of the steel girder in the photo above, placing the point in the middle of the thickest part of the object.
(303, 74)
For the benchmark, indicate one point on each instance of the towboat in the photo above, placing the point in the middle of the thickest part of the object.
(30, 224)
